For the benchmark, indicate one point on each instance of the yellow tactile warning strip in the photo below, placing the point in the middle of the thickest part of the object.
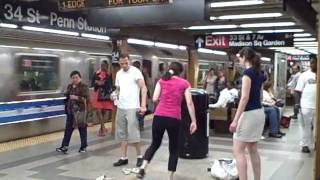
(21, 143)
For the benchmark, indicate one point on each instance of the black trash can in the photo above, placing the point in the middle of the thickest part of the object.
(195, 146)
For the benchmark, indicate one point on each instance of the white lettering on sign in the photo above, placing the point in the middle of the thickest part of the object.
(32, 16)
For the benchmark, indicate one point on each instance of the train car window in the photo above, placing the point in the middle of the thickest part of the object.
(37, 73)
(147, 67)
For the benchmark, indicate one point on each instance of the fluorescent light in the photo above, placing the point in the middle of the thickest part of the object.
(212, 27)
(304, 39)
(249, 16)
(49, 49)
(107, 38)
(302, 35)
(18, 47)
(165, 45)
(305, 43)
(265, 59)
(83, 52)
(29, 28)
(212, 18)
(232, 32)
(273, 24)
(183, 47)
(100, 54)
(140, 42)
(5, 25)
(291, 51)
(281, 31)
(209, 51)
(236, 3)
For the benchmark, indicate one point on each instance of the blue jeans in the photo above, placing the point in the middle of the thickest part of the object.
(273, 115)
(69, 130)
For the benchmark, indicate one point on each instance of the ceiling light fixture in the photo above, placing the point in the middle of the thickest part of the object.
(236, 3)
(183, 47)
(94, 36)
(140, 42)
(165, 45)
(232, 32)
(5, 25)
(209, 51)
(281, 31)
(273, 24)
(305, 43)
(249, 16)
(30, 28)
(304, 39)
(212, 27)
(265, 59)
(302, 35)
(18, 47)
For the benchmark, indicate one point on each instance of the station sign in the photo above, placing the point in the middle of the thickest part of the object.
(68, 5)
(244, 40)
(36, 14)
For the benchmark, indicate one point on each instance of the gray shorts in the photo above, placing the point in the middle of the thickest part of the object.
(127, 128)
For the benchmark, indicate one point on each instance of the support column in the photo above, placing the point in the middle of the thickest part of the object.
(193, 67)
(122, 47)
(317, 123)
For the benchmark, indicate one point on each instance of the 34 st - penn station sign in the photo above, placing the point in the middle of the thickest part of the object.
(45, 15)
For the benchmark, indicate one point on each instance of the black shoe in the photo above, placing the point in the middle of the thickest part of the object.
(305, 149)
(281, 133)
(139, 162)
(82, 150)
(141, 174)
(275, 135)
(63, 149)
(120, 162)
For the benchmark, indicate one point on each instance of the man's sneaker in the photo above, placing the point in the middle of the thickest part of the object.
(305, 149)
(141, 174)
(63, 149)
(120, 162)
(82, 150)
(139, 162)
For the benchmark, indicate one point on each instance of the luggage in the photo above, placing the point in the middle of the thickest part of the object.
(285, 121)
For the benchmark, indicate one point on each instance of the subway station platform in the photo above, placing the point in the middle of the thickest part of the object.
(35, 158)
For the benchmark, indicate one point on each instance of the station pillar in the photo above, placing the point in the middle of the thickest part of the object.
(317, 129)
(193, 67)
(120, 46)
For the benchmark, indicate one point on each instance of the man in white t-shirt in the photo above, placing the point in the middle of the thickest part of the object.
(129, 83)
(292, 83)
(306, 90)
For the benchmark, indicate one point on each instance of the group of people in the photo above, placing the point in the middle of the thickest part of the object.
(131, 96)
(131, 99)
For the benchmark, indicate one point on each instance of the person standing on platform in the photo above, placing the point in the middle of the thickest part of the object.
(249, 120)
(209, 85)
(306, 91)
(292, 83)
(169, 93)
(102, 83)
(78, 99)
(137, 64)
(129, 83)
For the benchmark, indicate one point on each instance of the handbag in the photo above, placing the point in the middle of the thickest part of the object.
(80, 117)
(104, 94)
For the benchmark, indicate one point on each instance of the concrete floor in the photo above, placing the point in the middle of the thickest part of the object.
(281, 160)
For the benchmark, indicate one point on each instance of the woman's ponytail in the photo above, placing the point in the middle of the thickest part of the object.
(175, 69)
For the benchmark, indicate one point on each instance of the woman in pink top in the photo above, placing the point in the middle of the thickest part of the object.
(169, 92)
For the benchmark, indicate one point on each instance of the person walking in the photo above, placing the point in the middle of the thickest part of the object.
(101, 102)
(306, 91)
(249, 120)
(78, 100)
(129, 84)
(169, 93)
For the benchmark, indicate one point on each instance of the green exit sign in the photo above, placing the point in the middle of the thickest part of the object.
(67, 5)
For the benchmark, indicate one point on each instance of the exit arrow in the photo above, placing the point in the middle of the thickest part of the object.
(199, 42)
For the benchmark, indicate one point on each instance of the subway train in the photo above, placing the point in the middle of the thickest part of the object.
(35, 70)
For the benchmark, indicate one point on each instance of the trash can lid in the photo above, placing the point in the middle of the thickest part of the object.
(196, 91)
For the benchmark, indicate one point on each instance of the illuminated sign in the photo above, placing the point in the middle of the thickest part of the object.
(66, 5)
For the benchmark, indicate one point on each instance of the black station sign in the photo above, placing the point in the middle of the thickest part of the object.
(67, 5)
(46, 16)
(244, 40)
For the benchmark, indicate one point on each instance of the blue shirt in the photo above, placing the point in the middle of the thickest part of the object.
(257, 80)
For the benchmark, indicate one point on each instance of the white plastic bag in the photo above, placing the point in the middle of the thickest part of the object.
(224, 169)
